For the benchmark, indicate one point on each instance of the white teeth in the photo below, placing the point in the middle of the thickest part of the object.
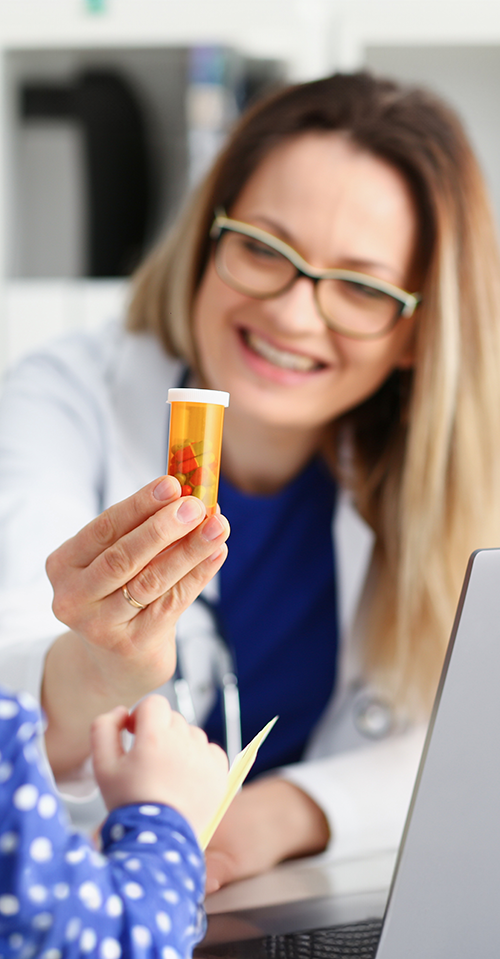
(289, 361)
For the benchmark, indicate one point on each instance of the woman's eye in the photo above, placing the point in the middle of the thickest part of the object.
(260, 250)
(362, 291)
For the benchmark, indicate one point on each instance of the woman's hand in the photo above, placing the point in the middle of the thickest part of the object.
(268, 821)
(169, 762)
(165, 550)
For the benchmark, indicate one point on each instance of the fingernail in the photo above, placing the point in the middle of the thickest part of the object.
(213, 528)
(166, 488)
(191, 508)
(218, 553)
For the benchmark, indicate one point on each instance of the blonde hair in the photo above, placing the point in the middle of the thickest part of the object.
(423, 463)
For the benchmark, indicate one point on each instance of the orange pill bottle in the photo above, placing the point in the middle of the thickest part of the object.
(195, 441)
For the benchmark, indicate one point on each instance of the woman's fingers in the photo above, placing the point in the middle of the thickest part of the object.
(165, 562)
(170, 603)
(185, 591)
(116, 522)
(122, 561)
(221, 870)
(133, 543)
(269, 820)
(172, 565)
(80, 589)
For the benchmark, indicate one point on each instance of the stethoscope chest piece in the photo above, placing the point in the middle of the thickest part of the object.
(373, 716)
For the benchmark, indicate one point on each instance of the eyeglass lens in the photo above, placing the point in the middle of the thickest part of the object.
(254, 268)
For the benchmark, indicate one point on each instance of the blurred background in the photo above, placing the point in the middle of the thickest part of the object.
(111, 109)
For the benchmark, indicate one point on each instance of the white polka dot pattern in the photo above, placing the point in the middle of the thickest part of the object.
(29, 950)
(26, 731)
(114, 906)
(47, 806)
(25, 797)
(133, 890)
(117, 831)
(38, 893)
(73, 929)
(27, 701)
(141, 936)
(8, 708)
(9, 905)
(178, 836)
(31, 753)
(41, 849)
(147, 836)
(141, 896)
(43, 920)
(5, 772)
(172, 855)
(8, 842)
(97, 859)
(163, 921)
(169, 953)
(90, 894)
(61, 890)
(171, 896)
(110, 949)
(88, 940)
(76, 855)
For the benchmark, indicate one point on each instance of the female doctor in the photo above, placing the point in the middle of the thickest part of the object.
(337, 273)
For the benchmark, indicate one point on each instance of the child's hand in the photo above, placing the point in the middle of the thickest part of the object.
(170, 762)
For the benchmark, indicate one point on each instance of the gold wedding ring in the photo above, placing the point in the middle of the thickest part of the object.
(130, 599)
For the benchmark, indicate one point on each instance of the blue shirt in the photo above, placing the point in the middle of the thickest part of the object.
(277, 610)
(59, 897)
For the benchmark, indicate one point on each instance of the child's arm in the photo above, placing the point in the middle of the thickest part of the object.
(58, 896)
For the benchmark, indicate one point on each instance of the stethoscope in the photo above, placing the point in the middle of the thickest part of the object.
(371, 715)
(223, 674)
(222, 677)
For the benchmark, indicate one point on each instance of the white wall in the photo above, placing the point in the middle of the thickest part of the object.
(468, 77)
(453, 45)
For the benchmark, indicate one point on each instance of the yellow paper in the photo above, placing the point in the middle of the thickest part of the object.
(240, 768)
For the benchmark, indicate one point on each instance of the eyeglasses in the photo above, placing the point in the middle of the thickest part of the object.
(260, 265)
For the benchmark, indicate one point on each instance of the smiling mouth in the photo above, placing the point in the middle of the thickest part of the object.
(281, 358)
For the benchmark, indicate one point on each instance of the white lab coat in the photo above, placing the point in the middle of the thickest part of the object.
(83, 424)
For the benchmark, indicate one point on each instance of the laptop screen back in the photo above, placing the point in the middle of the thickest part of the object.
(445, 898)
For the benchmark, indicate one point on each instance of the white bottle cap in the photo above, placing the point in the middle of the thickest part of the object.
(217, 397)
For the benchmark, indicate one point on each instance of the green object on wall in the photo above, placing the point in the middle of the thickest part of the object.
(96, 6)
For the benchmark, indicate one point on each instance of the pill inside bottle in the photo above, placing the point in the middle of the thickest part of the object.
(195, 442)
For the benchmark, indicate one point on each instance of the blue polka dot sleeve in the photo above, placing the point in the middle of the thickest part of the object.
(59, 897)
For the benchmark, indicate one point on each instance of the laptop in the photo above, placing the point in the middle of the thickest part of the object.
(444, 899)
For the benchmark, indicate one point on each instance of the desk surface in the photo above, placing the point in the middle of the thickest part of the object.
(305, 893)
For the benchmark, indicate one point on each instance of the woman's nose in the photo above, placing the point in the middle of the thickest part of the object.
(295, 310)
